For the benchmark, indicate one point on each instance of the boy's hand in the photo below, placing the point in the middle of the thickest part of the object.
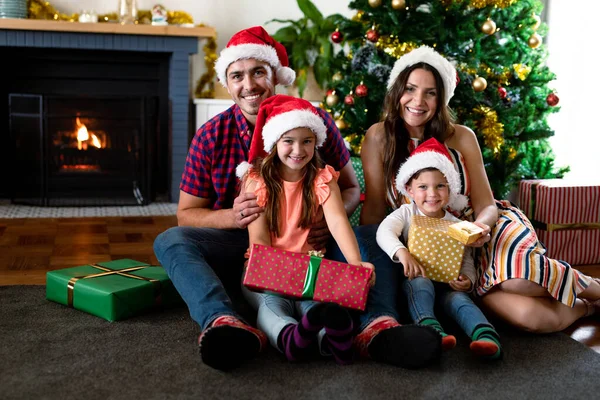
(462, 284)
(412, 268)
(372, 268)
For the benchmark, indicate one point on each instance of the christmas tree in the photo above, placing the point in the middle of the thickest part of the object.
(503, 92)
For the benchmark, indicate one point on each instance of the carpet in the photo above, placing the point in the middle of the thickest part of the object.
(50, 351)
(8, 210)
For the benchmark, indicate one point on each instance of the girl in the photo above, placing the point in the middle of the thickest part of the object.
(296, 189)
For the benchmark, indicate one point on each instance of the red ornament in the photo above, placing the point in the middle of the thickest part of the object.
(457, 78)
(552, 99)
(502, 92)
(372, 35)
(337, 36)
(361, 90)
(349, 100)
(330, 91)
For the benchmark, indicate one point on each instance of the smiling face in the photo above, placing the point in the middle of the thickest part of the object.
(295, 149)
(430, 191)
(419, 101)
(249, 82)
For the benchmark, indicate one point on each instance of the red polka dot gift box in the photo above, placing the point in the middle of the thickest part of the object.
(304, 276)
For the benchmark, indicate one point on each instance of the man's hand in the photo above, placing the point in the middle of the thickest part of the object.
(462, 284)
(245, 209)
(319, 234)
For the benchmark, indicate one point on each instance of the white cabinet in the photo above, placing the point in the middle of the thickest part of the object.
(208, 108)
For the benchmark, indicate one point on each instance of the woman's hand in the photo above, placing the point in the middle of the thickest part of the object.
(462, 284)
(485, 236)
(412, 268)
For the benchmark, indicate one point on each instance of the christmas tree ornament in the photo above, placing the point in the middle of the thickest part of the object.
(361, 90)
(488, 27)
(502, 92)
(337, 77)
(337, 36)
(537, 23)
(534, 41)
(398, 4)
(332, 99)
(552, 99)
(341, 124)
(372, 35)
(375, 3)
(479, 84)
(358, 16)
(349, 99)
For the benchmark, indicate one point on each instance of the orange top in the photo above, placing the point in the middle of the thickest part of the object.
(292, 237)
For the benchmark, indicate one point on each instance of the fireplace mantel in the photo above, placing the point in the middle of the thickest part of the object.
(105, 27)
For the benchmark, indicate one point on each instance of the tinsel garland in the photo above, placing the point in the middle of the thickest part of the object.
(355, 142)
(392, 46)
(208, 78)
(490, 128)
(522, 71)
(482, 3)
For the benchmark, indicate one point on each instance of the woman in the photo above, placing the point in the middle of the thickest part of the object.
(547, 295)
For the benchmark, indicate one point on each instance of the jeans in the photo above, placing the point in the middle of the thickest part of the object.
(198, 262)
(422, 292)
(275, 312)
(383, 295)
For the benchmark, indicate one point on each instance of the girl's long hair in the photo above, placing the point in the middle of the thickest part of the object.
(395, 151)
(269, 171)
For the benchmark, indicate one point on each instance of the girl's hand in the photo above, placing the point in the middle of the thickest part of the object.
(462, 284)
(245, 209)
(372, 268)
(412, 268)
(485, 237)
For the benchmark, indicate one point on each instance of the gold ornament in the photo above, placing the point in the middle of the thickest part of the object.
(341, 124)
(490, 128)
(488, 27)
(358, 16)
(332, 99)
(207, 79)
(337, 77)
(534, 41)
(522, 71)
(538, 22)
(479, 84)
(398, 4)
(375, 3)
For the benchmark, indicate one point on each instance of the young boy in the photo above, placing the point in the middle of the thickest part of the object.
(428, 177)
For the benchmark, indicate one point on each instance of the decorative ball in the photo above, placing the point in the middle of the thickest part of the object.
(337, 77)
(488, 27)
(552, 99)
(361, 90)
(337, 36)
(332, 99)
(375, 3)
(398, 4)
(534, 41)
(349, 100)
(372, 35)
(537, 23)
(479, 84)
(341, 124)
(502, 92)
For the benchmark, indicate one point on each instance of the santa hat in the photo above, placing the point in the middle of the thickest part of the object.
(255, 43)
(433, 154)
(427, 55)
(277, 115)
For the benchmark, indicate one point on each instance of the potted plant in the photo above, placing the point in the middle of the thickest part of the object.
(307, 41)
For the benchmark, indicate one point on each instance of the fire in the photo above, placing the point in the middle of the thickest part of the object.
(83, 137)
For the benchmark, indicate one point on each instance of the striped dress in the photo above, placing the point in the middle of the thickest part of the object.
(514, 251)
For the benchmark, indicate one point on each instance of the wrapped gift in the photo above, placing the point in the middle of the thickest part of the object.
(360, 175)
(465, 232)
(430, 244)
(112, 290)
(566, 217)
(304, 276)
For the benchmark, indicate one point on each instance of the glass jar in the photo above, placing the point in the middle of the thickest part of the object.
(127, 11)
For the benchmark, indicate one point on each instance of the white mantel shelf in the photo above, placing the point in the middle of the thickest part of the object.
(104, 27)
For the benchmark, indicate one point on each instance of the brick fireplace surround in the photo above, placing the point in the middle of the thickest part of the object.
(177, 42)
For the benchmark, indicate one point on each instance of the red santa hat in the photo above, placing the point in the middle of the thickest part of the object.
(255, 43)
(277, 115)
(427, 55)
(433, 154)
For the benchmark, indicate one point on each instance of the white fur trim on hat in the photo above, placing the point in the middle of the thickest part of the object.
(276, 126)
(433, 159)
(242, 169)
(429, 56)
(262, 52)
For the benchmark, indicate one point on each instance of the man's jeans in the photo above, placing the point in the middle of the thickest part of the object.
(422, 293)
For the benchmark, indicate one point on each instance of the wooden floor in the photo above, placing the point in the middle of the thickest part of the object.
(31, 247)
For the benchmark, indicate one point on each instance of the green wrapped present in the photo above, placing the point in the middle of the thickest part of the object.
(357, 165)
(112, 290)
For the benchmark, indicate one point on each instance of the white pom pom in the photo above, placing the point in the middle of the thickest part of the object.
(459, 202)
(242, 169)
(285, 76)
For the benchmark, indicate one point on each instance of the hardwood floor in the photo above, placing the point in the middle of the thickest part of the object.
(31, 247)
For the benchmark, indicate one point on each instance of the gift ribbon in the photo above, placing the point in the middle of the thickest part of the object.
(121, 272)
(310, 281)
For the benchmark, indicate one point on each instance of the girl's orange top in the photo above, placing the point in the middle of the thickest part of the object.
(292, 237)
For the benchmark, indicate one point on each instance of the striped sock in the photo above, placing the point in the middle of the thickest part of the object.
(486, 342)
(448, 341)
(295, 339)
(338, 333)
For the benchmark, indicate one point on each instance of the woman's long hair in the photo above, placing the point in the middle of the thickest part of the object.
(269, 171)
(395, 151)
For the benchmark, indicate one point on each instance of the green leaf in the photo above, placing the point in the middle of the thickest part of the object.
(301, 81)
(286, 35)
(321, 71)
(311, 11)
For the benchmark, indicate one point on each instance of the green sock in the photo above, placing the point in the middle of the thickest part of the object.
(434, 323)
(486, 334)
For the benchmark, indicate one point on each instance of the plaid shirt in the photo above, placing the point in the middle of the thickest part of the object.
(222, 143)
